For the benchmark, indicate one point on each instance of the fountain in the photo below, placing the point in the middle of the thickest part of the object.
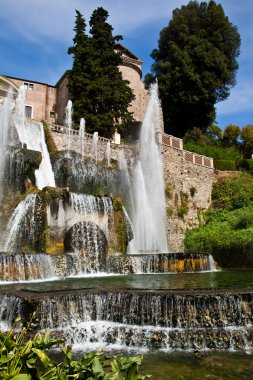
(148, 211)
(82, 135)
(96, 269)
(68, 122)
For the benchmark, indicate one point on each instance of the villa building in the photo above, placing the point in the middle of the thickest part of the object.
(47, 102)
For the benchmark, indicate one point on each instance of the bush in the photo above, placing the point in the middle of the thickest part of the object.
(218, 152)
(246, 164)
(225, 165)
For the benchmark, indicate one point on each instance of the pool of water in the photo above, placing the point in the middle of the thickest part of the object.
(226, 279)
(189, 366)
(211, 366)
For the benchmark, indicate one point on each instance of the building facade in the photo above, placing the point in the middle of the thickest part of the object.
(48, 102)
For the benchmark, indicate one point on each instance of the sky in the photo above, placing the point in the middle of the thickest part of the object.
(35, 36)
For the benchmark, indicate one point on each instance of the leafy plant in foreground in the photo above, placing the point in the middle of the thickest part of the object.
(24, 358)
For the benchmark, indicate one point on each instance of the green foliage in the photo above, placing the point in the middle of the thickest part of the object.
(51, 146)
(193, 191)
(169, 211)
(246, 164)
(99, 93)
(225, 165)
(229, 223)
(227, 192)
(231, 135)
(216, 151)
(247, 141)
(182, 210)
(168, 191)
(24, 358)
(195, 64)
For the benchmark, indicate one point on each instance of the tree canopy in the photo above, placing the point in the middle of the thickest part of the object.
(99, 93)
(195, 64)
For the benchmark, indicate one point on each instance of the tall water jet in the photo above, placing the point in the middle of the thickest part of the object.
(82, 135)
(68, 122)
(108, 153)
(95, 145)
(5, 115)
(148, 214)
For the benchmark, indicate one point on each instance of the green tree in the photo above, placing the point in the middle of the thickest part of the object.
(195, 64)
(247, 141)
(231, 134)
(98, 91)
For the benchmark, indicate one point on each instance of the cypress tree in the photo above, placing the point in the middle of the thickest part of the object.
(99, 93)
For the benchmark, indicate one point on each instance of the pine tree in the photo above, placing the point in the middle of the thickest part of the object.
(195, 65)
(99, 93)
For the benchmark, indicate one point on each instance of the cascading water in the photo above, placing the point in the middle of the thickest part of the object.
(148, 213)
(21, 225)
(31, 134)
(90, 218)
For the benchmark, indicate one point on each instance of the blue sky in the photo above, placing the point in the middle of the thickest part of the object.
(35, 36)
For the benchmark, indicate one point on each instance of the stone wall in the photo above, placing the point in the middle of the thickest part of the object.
(188, 188)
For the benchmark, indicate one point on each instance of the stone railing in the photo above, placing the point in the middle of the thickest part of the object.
(70, 139)
(87, 136)
(176, 143)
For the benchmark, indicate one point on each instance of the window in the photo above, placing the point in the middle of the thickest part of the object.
(52, 114)
(28, 86)
(28, 111)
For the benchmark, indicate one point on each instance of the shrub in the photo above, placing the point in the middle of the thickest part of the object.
(225, 165)
(193, 191)
(168, 191)
(183, 210)
(246, 164)
(218, 152)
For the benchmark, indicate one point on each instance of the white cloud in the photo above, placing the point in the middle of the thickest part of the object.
(240, 100)
(35, 19)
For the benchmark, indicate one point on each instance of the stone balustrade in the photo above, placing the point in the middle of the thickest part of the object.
(66, 139)
(176, 143)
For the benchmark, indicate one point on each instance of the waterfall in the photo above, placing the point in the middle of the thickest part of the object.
(98, 210)
(91, 218)
(26, 267)
(148, 214)
(10, 307)
(82, 135)
(31, 134)
(20, 228)
(151, 321)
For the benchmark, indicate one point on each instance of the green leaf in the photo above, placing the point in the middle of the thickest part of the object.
(21, 377)
(45, 360)
(97, 367)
